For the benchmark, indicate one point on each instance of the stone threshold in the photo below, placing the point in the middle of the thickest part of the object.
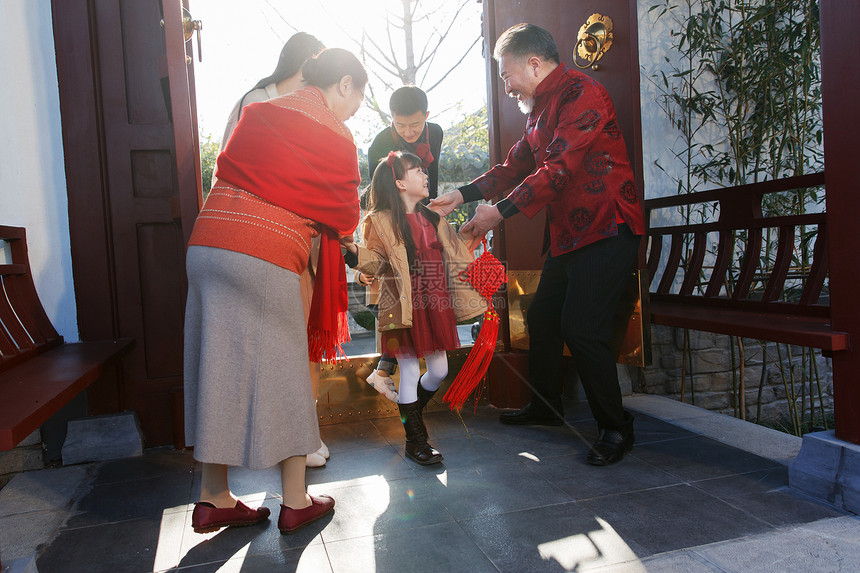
(819, 465)
(765, 442)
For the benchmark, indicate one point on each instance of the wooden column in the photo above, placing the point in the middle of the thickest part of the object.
(840, 53)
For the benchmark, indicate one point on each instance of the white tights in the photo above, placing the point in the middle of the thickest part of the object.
(410, 372)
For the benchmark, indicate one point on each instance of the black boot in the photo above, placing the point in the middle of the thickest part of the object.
(424, 396)
(417, 448)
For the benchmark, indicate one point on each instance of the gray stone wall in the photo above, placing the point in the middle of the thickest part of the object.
(710, 361)
(26, 456)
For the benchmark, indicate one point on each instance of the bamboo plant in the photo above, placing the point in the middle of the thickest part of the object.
(742, 90)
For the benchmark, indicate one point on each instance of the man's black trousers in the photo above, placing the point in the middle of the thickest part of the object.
(575, 303)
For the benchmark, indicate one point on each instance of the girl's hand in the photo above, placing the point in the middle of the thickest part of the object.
(348, 242)
(363, 279)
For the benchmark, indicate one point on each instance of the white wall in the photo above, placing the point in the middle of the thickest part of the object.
(659, 138)
(32, 175)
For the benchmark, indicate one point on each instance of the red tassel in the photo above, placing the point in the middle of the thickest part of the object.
(477, 363)
(486, 274)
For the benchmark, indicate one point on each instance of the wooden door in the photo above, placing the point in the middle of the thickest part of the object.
(132, 162)
(617, 70)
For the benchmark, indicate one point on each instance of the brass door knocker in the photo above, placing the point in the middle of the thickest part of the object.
(593, 40)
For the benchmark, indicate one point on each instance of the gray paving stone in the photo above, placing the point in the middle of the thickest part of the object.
(378, 506)
(678, 503)
(312, 559)
(22, 565)
(109, 548)
(360, 465)
(685, 562)
(673, 518)
(795, 549)
(22, 459)
(99, 438)
(42, 490)
(675, 562)
(442, 548)
(846, 527)
(697, 458)
(766, 496)
(563, 537)
(493, 489)
(22, 535)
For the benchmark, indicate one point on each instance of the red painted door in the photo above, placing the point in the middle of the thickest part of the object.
(132, 161)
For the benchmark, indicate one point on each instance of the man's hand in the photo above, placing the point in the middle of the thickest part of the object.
(486, 217)
(447, 202)
(472, 242)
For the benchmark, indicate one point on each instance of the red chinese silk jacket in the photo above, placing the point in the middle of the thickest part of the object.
(572, 159)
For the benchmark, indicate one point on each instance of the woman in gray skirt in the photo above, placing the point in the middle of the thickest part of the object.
(289, 173)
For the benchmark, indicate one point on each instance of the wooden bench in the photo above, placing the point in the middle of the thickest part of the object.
(767, 299)
(39, 372)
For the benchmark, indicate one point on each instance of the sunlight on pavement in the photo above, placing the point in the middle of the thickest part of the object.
(361, 514)
(529, 456)
(176, 538)
(589, 551)
(443, 478)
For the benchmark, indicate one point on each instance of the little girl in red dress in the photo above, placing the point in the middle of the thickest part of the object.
(416, 256)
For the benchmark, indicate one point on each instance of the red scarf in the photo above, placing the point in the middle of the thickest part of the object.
(293, 152)
(421, 147)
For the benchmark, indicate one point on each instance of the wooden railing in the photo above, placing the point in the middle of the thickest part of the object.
(702, 284)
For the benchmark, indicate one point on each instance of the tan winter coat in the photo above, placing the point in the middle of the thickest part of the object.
(385, 257)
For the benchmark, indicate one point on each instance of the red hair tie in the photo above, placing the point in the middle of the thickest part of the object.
(392, 157)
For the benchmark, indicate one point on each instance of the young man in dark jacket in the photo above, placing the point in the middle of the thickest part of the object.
(409, 131)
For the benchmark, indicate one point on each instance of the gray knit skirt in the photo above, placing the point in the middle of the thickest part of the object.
(248, 397)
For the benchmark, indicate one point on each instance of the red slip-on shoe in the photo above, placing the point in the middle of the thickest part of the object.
(208, 518)
(291, 520)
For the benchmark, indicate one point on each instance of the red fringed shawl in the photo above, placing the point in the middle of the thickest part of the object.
(293, 152)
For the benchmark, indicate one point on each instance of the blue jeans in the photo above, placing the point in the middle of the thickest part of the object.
(387, 363)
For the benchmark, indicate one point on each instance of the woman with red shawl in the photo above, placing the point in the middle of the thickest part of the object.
(288, 173)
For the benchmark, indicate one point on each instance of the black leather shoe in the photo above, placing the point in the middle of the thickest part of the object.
(610, 447)
(530, 416)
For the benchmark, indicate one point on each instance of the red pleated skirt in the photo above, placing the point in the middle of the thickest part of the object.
(434, 327)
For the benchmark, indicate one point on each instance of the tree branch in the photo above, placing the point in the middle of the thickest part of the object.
(463, 57)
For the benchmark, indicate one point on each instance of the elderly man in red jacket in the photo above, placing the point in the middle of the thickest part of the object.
(571, 161)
